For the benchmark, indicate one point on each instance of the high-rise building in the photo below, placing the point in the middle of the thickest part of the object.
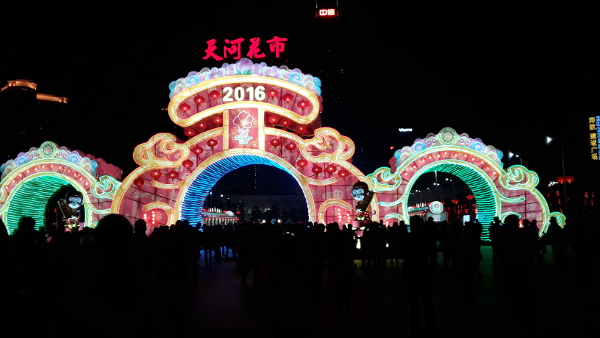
(28, 117)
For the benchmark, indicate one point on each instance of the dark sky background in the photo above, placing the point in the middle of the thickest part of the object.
(509, 75)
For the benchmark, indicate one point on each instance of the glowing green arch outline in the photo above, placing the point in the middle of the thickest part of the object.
(487, 195)
(89, 209)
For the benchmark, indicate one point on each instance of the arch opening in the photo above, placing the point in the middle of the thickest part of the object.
(33, 199)
(203, 183)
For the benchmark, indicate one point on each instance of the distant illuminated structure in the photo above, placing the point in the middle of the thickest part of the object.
(498, 192)
(238, 115)
(29, 181)
(253, 114)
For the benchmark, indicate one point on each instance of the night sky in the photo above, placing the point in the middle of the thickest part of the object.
(509, 75)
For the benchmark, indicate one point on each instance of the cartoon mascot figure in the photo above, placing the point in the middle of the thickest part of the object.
(70, 207)
(363, 196)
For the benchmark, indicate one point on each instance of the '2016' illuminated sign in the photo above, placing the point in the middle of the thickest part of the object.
(233, 48)
(239, 94)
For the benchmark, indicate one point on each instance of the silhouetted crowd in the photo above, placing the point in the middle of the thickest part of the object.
(116, 280)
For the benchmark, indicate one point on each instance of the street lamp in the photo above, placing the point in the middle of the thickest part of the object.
(563, 178)
(453, 188)
(419, 191)
(511, 155)
(438, 189)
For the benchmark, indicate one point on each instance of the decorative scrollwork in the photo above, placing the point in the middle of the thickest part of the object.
(518, 177)
(328, 145)
(166, 144)
(383, 180)
(105, 187)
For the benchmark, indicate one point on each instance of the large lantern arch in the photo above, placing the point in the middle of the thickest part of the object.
(237, 115)
(30, 181)
(498, 192)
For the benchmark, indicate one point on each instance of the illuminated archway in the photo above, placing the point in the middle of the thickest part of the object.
(30, 180)
(237, 115)
(498, 192)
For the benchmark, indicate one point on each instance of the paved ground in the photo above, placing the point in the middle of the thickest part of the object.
(565, 304)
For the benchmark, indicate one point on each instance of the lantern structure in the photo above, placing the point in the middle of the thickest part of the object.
(212, 142)
(139, 182)
(197, 150)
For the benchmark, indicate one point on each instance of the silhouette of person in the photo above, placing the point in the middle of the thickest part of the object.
(558, 242)
(431, 237)
(417, 276)
(495, 226)
(516, 262)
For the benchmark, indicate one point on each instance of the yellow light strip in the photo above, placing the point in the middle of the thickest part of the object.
(239, 79)
(332, 203)
(162, 206)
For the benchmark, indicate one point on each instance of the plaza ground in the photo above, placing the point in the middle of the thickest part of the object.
(564, 304)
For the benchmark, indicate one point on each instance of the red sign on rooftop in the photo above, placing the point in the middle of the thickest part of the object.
(327, 12)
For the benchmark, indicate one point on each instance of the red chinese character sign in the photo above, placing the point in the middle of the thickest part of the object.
(235, 115)
(237, 48)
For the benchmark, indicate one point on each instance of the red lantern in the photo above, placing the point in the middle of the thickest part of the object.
(215, 94)
(275, 142)
(212, 142)
(343, 173)
(455, 201)
(201, 125)
(290, 146)
(139, 182)
(470, 197)
(189, 132)
(155, 173)
(273, 119)
(302, 104)
(569, 179)
(173, 174)
(560, 180)
(288, 97)
(302, 163)
(197, 150)
(330, 169)
(238, 212)
(217, 119)
(285, 122)
(199, 99)
(317, 169)
(301, 130)
(184, 107)
(187, 163)
(272, 93)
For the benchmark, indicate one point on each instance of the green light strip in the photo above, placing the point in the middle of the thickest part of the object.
(486, 203)
(31, 200)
